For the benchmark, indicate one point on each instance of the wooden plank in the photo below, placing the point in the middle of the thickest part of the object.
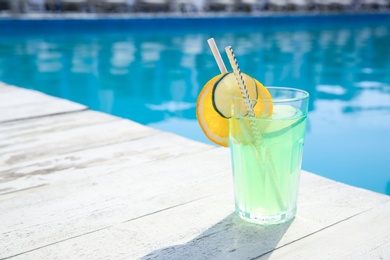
(203, 229)
(12, 96)
(363, 236)
(26, 131)
(19, 148)
(4, 88)
(96, 161)
(57, 123)
(17, 103)
(192, 190)
(49, 107)
(53, 213)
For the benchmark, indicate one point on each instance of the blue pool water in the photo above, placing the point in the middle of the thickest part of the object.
(152, 71)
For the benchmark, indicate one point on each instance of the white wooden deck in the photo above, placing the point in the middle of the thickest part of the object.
(79, 184)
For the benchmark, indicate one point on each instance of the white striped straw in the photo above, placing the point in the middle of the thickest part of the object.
(217, 55)
(240, 80)
(255, 130)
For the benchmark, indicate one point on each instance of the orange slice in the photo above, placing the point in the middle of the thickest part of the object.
(214, 126)
(214, 102)
(264, 108)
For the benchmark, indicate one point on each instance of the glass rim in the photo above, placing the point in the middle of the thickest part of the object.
(304, 95)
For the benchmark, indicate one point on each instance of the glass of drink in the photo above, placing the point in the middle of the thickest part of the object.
(266, 143)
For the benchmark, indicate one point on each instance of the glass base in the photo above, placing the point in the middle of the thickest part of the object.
(267, 220)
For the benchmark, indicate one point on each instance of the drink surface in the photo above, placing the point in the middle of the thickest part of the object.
(266, 157)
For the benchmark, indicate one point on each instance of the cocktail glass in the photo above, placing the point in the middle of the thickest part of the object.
(266, 148)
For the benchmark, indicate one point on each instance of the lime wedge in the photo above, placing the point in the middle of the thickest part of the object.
(284, 117)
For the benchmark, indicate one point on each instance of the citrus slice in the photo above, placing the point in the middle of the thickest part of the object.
(226, 88)
(264, 108)
(214, 126)
(284, 117)
(214, 122)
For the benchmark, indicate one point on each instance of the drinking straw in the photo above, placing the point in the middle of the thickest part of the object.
(217, 55)
(249, 107)
(244, 91)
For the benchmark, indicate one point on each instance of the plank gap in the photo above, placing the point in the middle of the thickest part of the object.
(311, 234)
(46, 115)
(165, 209)
(29, 188)
(9, 175)
(106, 227)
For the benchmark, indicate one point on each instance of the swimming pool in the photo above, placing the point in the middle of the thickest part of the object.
(151, 71)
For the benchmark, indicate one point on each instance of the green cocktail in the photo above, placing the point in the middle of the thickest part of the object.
(265, 129)
(267, 155)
